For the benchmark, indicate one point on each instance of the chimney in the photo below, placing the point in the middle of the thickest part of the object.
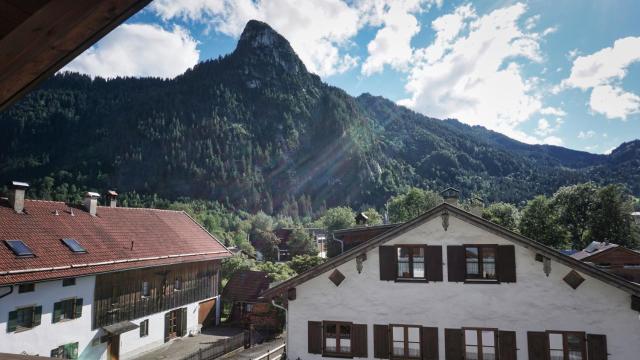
(91, 202)
(112, 198)
(477, 206)
(450, 196)
(17, 190)
(362, 219)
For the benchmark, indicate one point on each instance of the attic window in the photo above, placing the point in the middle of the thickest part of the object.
(74, 246)
(19, 248)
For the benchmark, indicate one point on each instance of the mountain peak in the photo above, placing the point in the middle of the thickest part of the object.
(260, 39)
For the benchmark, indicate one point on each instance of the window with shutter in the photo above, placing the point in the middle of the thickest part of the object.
(506, 263)
(405, 342)
(434, 263)
(455, 263)
(429, 340)
(453, 344)
(67, 310)
(337, 338)
(537, 345)
(359, 343)
(24, 318)
(566, 345)
(387, 263)
(597, 347)
(507, 345)
(314, 339)
(480, 344)
(144, 328)
(480, 262)
(381, 341)
(410, 262)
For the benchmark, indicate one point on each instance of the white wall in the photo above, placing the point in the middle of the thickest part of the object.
(47, 336)
(534, 303)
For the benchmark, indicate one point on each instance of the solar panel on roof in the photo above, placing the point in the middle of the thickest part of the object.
(19, 248)
(74, 245)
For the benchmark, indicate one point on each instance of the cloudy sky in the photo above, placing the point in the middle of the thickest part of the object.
(556, 72)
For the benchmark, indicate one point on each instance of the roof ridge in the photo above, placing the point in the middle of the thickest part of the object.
(141, 208)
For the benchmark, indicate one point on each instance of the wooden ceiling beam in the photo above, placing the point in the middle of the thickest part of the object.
(52, 37)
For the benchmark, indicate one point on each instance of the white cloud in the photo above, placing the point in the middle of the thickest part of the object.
(552, 111)
(613, 102)
(473, 73)
(317, 30)
(602, 72)
(586, 135)
(543, 127)
(392, 43)
(552, 140)
(139, 50)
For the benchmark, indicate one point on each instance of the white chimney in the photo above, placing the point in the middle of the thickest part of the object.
(91, 202)
(112, 197)
(17, 190)
(450, 196)
(477, 206)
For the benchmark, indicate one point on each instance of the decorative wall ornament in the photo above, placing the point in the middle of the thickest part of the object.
(573, 279)
(546, 266)
(445, 219)
(336, 277)
(359, 262)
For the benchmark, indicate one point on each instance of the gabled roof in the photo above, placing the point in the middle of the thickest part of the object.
(594, 248)
(558, 256)
(115, 239)
(245, 285)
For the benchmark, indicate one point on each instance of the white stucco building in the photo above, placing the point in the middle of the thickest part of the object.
(100, 282)
(451, 285)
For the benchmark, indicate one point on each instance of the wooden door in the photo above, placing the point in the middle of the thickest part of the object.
(113, 347)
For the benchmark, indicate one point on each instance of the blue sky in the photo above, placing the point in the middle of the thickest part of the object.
(556, 72)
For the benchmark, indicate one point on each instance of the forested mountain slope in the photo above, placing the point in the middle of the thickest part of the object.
(255, 130)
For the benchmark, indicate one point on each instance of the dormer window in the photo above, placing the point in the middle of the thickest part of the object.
(19, 248)
(74, 246)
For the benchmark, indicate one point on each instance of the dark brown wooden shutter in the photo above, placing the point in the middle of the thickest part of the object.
(453, 347)
(507, 345)
(537, 344)
(182, 315)
(166, 327)
(597, 347)
(77, 309)
(506, 263)
(433, 258)
(429, 343)
(314, 339)
(37, 315)
(381, 341)
(388, 263)
(359, 343)
(12, 322)
(456, 263)
(57, 312)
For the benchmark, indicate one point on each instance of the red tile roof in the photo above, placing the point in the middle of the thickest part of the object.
(246, 285)
(115, 239)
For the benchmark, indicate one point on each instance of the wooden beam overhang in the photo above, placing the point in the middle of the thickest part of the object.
(39, 37)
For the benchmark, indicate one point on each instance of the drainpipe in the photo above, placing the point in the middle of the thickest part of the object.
(338, 240)
(9, 293)
(286, 317)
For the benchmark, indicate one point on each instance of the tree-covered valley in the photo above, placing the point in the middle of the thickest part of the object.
(255, 131)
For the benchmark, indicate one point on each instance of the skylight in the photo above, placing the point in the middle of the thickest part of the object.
(19, 248)
(74, 245)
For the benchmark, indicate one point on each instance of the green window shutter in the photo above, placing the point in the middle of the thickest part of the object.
(13, 319)
(37, 315)
(71, 351)
(57, 309)
(78, 309)
(55, 353)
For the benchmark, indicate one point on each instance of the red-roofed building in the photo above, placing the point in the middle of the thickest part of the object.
(75, 280)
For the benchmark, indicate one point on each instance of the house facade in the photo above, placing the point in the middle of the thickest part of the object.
(102, 282)
(451, 285)
(612, 258)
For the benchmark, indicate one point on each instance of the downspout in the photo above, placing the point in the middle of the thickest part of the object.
(338, 240)
(9, 293)
(286, 319)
